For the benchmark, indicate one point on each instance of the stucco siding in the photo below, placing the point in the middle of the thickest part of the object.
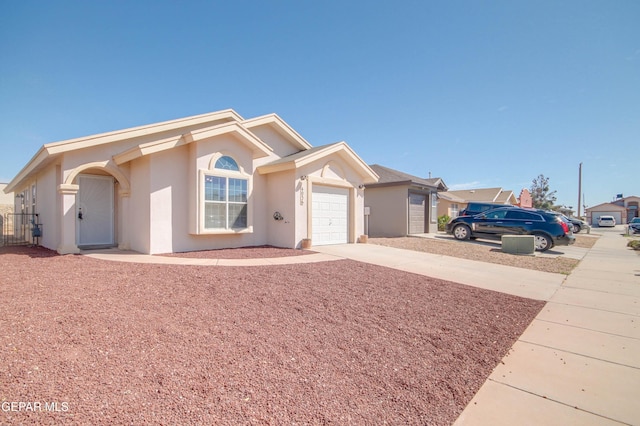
(280, 146)
(139, 205)
(280, 198)
(47, 206)
(388, 210)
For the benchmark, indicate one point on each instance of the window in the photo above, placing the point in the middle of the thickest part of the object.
(455, 210)
(517, 214)
(33, 198)
(225, 196)
(227, 163)
(434, 207)
(495, 214)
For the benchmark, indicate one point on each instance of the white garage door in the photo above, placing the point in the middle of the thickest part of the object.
(596, 215)
(329, 215)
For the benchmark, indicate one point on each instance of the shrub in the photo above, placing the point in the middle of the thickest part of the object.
(634, 244)
(442, 222)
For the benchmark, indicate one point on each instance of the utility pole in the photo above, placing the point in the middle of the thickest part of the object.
(579, 187)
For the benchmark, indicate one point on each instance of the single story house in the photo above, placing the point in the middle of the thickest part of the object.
(451, 202)
(209, 181)
(400, 204)
(622, 209)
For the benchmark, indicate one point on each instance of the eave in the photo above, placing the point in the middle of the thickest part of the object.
(303, 158)
(47, 151)
(259, 148)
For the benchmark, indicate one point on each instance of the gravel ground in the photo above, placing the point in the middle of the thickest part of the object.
(486, 252)
(337, 342)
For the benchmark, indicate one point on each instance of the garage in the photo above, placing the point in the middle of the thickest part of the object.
(417, 209)
(329, 215)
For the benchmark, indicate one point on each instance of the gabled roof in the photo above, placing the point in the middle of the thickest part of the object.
(506, 197)
(259, 148)
(609, 206)
(391, 177)
(280, 126)
(301, 158)
(207, 125)
(486, 195)
(50, 151)
(451, 197)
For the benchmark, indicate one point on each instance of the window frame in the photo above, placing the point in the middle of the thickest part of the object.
(227, 175)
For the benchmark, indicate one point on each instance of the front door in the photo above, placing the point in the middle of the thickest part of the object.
(94, 211)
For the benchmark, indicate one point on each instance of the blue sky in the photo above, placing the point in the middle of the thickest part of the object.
(479, 93)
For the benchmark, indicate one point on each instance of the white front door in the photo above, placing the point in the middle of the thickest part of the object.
(94, 211)
(330, 215)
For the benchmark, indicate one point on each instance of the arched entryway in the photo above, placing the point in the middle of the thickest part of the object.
(100, 190)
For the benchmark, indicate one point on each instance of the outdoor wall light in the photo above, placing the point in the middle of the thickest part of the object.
(361, 186)
(303, 177)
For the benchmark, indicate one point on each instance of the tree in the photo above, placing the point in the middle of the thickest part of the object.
(542, 197)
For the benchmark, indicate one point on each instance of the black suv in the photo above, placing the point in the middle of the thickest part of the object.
(474, 208)
(548, 229)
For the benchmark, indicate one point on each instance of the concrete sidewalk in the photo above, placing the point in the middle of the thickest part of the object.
(117, 255)
(579, 361)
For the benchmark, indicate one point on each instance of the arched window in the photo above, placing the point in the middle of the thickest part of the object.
(227, 163)
(225, 196)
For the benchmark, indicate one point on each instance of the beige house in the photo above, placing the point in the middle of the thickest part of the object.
(451, 202)
(210, 181)
(400, 204)
(623, 210)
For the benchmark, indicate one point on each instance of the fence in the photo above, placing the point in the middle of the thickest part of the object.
(20, 228)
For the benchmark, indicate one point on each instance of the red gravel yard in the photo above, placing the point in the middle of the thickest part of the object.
(85, 341)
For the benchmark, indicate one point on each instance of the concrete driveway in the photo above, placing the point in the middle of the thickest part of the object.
(506, 279)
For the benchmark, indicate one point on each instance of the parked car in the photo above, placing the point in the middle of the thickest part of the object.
(548, 229)
(606, 221)
(474, 208)
(634, 226)
(577, 224)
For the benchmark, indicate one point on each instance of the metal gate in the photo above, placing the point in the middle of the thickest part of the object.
(20, 228)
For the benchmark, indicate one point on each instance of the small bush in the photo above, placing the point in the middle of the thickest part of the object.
(442, 222)
(634, 244)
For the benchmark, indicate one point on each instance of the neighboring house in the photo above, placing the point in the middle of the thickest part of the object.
(623, 210)
(451, 202)
(525, 199)
(7, 202)
(400, 204)
(210, 181)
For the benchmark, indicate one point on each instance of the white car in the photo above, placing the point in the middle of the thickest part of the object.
(606, 221)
